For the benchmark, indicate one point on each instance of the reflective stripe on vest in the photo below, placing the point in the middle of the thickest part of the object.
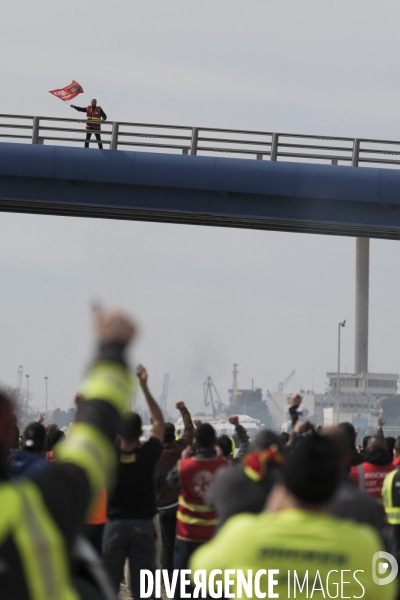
(109, 381)
(194, 507)
(233, 446)
(88, 448)
(392, 512)
(38, 541)
(393, 516)
(189, 513)
(191, 520)
(86, 445)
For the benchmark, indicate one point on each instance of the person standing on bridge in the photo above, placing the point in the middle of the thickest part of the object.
(94, 115)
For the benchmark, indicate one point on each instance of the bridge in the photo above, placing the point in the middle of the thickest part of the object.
(204, 176)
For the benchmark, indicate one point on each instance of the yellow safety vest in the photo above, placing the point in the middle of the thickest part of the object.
(41, 547)
(24, 516)
(391, 497)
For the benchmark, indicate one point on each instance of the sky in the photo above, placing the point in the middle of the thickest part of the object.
(205, 298)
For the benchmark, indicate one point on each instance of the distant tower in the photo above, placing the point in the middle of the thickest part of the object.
(362, 306)
(164, 396)
(19, 377)
(235, 383)
(133, 401)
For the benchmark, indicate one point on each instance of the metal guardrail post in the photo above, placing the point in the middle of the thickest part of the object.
(185, 150)
(114, 137)
(334, 161)
(35, 131)
(274, 146)
(356, 153)
(259, 156)
(195, 138)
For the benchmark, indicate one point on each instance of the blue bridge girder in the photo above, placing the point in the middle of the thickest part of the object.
(200, 190)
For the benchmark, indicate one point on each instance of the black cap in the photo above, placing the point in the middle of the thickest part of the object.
(34, 437)
(313, 470)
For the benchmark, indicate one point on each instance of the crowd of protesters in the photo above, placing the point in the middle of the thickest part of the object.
(77, 509)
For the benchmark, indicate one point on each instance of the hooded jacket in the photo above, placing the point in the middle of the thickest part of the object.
(23, 463)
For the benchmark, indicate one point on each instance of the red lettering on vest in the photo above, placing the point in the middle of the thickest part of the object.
(373, 478)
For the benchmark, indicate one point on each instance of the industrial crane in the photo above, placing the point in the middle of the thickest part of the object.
(283, 384)
(209, 389)
(164, 396)
(19, 377)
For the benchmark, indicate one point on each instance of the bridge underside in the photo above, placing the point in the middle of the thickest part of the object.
(196, 190)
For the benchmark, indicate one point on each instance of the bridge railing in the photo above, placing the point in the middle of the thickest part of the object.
(258, 145)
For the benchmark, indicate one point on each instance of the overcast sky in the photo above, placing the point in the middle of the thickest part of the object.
(205, 297)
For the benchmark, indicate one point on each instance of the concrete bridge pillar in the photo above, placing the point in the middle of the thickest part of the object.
(362, 305)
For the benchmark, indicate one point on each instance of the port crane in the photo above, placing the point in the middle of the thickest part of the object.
(19, 377)
(162, 400)
(283, 384)
(216, 403)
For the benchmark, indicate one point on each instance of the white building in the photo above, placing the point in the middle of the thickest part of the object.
(359, 398)
(378, 385)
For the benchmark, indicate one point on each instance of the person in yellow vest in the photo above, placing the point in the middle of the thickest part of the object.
(308, 552)
(41, 517)
(94, 115)
(391, 503)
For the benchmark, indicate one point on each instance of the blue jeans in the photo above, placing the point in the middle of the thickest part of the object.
(183, 551)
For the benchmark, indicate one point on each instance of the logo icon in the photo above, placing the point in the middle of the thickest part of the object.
(75, 89)
(380, 568)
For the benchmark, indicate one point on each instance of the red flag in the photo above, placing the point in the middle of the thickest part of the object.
(69, 92)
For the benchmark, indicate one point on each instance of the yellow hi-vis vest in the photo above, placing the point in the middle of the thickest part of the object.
(41, 547)
(391, 497)
(24, 516)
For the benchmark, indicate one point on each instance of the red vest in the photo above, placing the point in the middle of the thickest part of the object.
(369, 478)
(195, 521)
(93, 115)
